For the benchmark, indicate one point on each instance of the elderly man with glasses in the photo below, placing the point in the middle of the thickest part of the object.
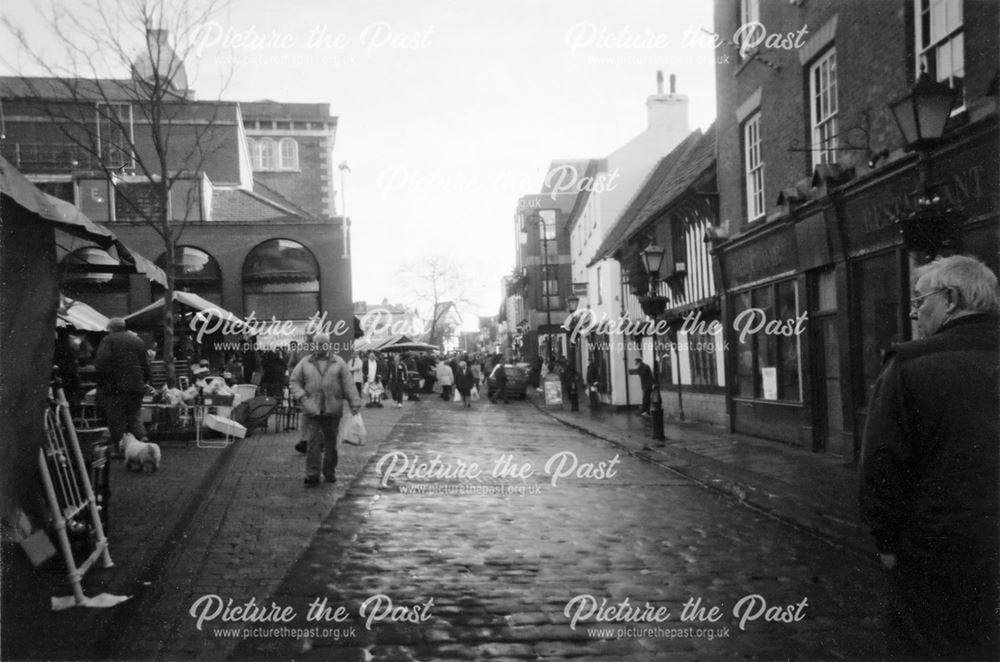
(929, 468)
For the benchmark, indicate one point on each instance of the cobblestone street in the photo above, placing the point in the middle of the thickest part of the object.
(520, 566)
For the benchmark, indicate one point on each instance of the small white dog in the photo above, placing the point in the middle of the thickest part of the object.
(139, 455)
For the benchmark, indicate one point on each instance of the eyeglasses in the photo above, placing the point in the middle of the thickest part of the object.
(916, 301)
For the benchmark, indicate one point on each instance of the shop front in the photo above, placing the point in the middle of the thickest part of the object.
(764, 330)
(880, 261)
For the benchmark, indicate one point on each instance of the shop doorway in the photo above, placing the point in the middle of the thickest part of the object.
(830, 405)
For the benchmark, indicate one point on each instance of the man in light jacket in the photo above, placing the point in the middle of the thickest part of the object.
(320, 384)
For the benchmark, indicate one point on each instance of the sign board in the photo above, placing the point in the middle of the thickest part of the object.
(769, 377)
(553, 391)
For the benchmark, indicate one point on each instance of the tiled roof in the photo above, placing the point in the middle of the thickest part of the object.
(670, 179)
(236, 204)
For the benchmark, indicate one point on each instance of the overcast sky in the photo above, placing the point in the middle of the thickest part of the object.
(450, 110)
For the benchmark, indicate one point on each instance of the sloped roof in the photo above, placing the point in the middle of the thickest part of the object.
(265, 191)
(670, 179)
(236, 204)
(35, 87)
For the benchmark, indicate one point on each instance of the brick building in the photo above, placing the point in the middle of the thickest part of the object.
(814, 181)
(253, 208)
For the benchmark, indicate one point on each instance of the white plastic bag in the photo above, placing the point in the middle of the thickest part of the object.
(474, 393)
(353, 431)
(456, 396)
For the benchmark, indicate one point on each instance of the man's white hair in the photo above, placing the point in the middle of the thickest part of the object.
(975, 283)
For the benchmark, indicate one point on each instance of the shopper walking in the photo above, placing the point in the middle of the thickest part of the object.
(446, 378)
(356, 366)
(320, 384)
(464, 382)
(397, 379)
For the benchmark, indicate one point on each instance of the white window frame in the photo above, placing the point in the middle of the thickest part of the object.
(289, 161)
(753, 168)
(749, 13)
(267, 154)
(941, 52)
(823, 107)
(102, 122)
(254, 155)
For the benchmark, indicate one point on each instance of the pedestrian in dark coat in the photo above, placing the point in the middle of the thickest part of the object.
(122, 367)
(464, 381)
(929, 488)
(273, 374)
(646, 381)
(397, 380)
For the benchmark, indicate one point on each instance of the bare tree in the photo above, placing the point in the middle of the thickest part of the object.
(143, 132)
(436, 281)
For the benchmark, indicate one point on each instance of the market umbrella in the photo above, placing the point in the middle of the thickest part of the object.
(79, 315)
(151, 316)
(410, 347)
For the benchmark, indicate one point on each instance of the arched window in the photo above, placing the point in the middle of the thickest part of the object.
(195, 271)
(289, 154)
(267, 154)
(281, 280)
(252, 148)
(84, 279)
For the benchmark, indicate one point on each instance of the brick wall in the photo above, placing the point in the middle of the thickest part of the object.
(875, 65)
(310, 187)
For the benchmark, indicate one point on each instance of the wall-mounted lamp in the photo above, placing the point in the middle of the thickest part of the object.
(921, 116)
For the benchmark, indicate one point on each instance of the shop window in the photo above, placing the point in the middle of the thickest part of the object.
(744, 353)
(281, 280)
(87, 275)
(823, 108)
(768, 364)
(754, 168)
(195, 271)
(940, 39)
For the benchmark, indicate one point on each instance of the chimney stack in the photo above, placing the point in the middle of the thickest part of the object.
(667, 110)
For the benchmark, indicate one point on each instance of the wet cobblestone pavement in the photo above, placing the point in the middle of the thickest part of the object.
(577, 551)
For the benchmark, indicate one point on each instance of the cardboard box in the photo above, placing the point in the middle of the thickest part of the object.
(225, 426)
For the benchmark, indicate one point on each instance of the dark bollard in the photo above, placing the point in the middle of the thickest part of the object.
(656, 414)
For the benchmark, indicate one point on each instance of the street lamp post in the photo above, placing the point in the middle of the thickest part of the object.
(572, 302)
(653, 305)
(921, 116)
(537, 219)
